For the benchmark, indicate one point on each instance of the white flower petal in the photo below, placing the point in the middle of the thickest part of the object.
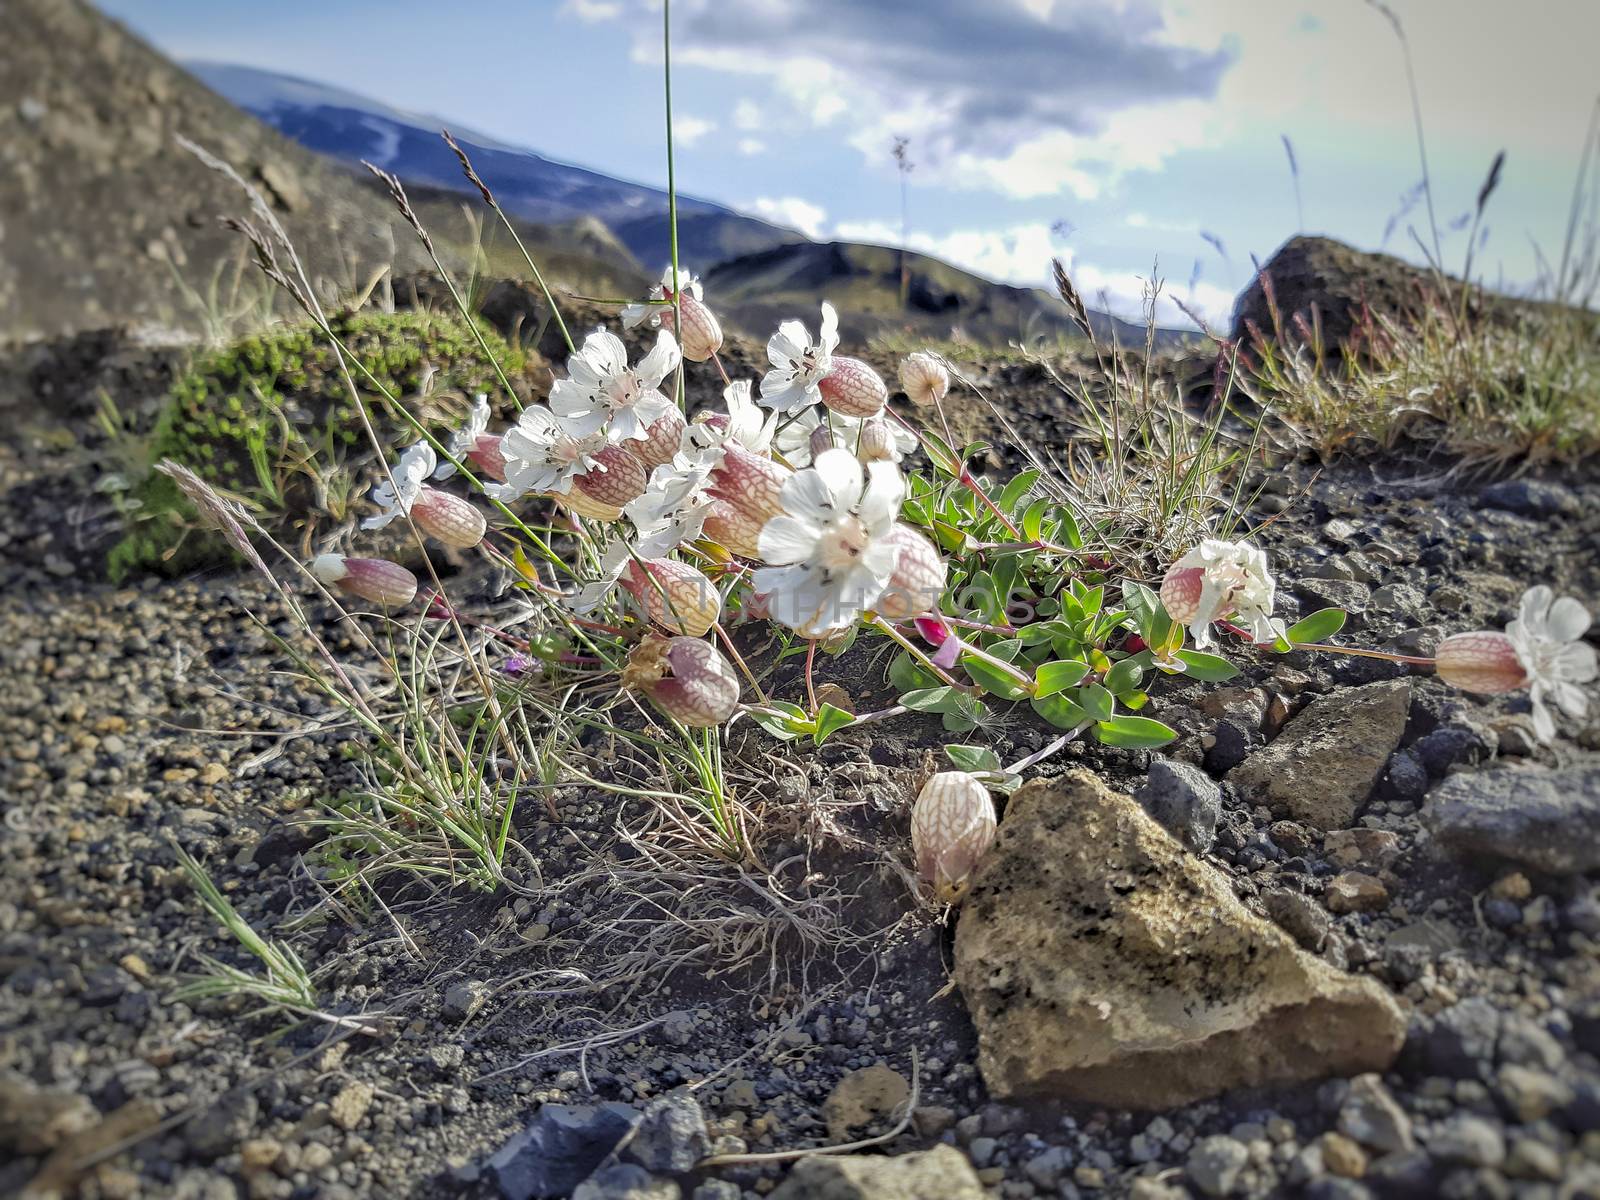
(1569, 698)
(785, 540)
(1535, 604)
(840, 473)
(828, 338)
(880, 503)
(660, 362)
(1544, 725)
(1567, 620)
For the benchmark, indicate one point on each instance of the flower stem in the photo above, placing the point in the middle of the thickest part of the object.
(811, 691)
(739, 659)
(1414, 660)
(1038, 756)
(916, 652)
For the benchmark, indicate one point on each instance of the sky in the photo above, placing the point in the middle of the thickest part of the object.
(1133, 139)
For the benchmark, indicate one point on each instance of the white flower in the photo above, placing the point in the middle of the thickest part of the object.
(656, 305)
(600, 387)
(1547, 635)
(798, 363)
(744, 423)
(464, 440)
(673, 508)
(542, 455)
(417, 462)
(1218, 580)
(829, 551)
(859, 435)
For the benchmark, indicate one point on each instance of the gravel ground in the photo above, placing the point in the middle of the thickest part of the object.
(152, 715)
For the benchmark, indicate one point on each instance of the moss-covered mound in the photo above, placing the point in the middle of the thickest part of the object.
(270, 421)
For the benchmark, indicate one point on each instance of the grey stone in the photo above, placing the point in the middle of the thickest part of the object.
(220, 1127)
(1215, 1163)
(718, 1189)
(1532, 498)
(1460, 1040)
(1525, 1042)
(1532, 1095)
(560, 1148)
(1372, 1116)
(1347, 594)
(1323, 765)
(1450, 745)
(463, 1000)
(1406, 777)
(670, 1136)
(1046, 1169)
(1306, 920)
(626, 1181)
(1542, 818)
(1183, 800)
(942, 1173)
(1468, 1140)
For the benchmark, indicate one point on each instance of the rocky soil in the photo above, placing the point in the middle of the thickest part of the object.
(1342, 940)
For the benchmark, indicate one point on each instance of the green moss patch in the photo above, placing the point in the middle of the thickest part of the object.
(270, 421)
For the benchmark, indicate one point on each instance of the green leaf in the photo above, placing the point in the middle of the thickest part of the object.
(965, 713)
(939, 453)
(1070, 532)
(1140, 602)
(1318, 627)
(788, 723)
(829, 721)
(973, 758)
(1208, 668)
(1040, 632)
(906, 674)
(993, 680)
(1055, 677)
(1033, 519)
(1016, 489)
(1097, 702)
(1059, 711)
(1126, 675)
(934, 699)
(1134, 732)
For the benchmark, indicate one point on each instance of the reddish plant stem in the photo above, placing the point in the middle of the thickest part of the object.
(1413, 660)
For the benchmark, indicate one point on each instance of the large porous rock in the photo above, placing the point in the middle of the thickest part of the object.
(1317, 279)
(1322, 767)
(1104, 964)
(1542, 818)
(942, 1173)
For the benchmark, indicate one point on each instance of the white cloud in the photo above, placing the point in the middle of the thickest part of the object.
(1032, 98)
(799, 214)
(751, 146)
(747, 116)
(1021, 255)
(687, 130)
(594, 10)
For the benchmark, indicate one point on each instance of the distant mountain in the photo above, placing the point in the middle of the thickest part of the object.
(864, 281)
(350, 128)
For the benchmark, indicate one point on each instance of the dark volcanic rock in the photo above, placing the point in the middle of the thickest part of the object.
(1335, 280)
(1543, 818)
(560, 1148)
(1184, 800)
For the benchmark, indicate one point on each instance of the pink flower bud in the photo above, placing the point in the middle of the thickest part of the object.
(852, 388)
(486, 459)
(821, 440)
(600, 492)
(376, 579)
(952, 827)
(702, 334)
(733, 529)
(1180, 593)
(918, 578)
(923, 378)
(686, 678)
(674, 595)
(1483, 661)
(665, 438)
(750, 483)
(448, 518)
